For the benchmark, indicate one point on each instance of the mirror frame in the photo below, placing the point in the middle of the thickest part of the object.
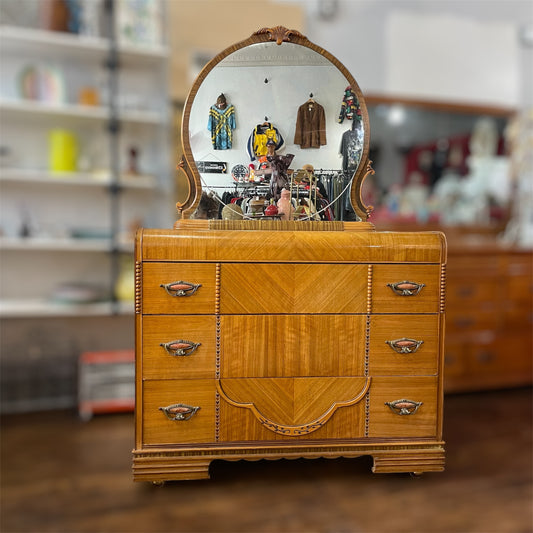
(279, 35)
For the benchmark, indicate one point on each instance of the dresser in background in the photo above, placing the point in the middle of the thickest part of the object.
(489, 311)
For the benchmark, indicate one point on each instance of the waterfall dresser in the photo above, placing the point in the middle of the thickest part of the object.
(270, 344)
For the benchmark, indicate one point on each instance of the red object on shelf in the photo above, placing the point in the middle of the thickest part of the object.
(106, 382)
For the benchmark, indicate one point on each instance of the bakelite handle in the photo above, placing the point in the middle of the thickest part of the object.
(179, 412)
(404, 407)
(405, 345)
(180, 348)
(406, 288)
(180, 288)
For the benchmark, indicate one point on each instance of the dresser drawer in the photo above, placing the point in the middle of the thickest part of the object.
(263, 409)
(159, 429)
(404, 345)
(178, 288)
(405, 288)
(182, 346)
(473, 293)
(259, 288)
(292, 345)
(403, 407)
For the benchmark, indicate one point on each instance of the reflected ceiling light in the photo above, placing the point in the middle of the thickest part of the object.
(396, 115)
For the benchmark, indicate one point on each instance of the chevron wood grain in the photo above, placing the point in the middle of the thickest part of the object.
(293, 288)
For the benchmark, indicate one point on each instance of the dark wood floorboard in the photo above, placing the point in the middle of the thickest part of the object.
(64, 476)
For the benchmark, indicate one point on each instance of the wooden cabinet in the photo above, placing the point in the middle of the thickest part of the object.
(489, 339)
(322, 344)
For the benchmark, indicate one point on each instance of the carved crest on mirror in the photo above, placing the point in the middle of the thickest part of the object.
(275, 127)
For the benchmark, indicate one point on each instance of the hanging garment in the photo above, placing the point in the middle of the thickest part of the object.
(221, 123)
(350, 106)
(351, 148)
(259, 137)
(279, 178)
(310, 125)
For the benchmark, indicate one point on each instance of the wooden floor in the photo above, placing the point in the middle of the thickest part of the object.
(62, 475)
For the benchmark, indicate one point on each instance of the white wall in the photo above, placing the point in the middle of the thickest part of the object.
(288, 87)
(458, 48)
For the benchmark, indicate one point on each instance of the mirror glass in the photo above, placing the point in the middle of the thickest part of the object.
(305, 105)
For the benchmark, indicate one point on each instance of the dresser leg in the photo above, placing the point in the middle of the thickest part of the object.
(158, 468)
(411, 461)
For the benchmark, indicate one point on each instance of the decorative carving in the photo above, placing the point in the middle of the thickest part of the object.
(290, 430)
(442, 288)
(280, 34)
(369, 172)
(301, 429)
(138, 287)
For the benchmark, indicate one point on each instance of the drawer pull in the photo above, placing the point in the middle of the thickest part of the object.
(404, 407)
(181, 288)
(405, 345)
(179, 411)
(406, 288)
(180, 347)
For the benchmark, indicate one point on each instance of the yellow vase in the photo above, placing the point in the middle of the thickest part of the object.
(63, 151)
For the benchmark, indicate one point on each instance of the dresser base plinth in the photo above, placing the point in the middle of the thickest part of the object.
(413, 461)
(160, 465)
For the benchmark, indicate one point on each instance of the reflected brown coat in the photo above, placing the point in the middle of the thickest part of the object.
(310, 125)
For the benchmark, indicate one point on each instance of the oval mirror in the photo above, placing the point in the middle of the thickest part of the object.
(275, 127)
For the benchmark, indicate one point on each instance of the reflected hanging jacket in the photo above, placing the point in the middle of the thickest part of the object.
(221, 123)
(260, 136)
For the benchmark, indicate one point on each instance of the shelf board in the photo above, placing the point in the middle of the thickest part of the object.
(53, 44)
(54, 244)
(38, 109)
(86, 179)
(44, 308)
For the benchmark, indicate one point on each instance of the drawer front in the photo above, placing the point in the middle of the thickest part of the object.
(291, 409)
(404, 345)
(178, 288)
(467, 320)
(391, 295)
(181, 346)
(158, 429)
(292, 345)
(390, 418)
(474, 293)
(302, 288)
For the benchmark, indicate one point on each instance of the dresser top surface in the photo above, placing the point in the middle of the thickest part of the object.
(203, 244)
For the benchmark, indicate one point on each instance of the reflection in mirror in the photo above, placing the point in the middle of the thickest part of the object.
(277, 132)
(438, 166)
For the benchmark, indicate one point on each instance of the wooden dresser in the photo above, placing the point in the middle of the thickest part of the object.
(300, 341)
(489, 334)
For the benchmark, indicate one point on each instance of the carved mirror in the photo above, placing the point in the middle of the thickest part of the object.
(274, 119)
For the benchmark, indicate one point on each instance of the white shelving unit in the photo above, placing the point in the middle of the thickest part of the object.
(42, 213)
(65, 236)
